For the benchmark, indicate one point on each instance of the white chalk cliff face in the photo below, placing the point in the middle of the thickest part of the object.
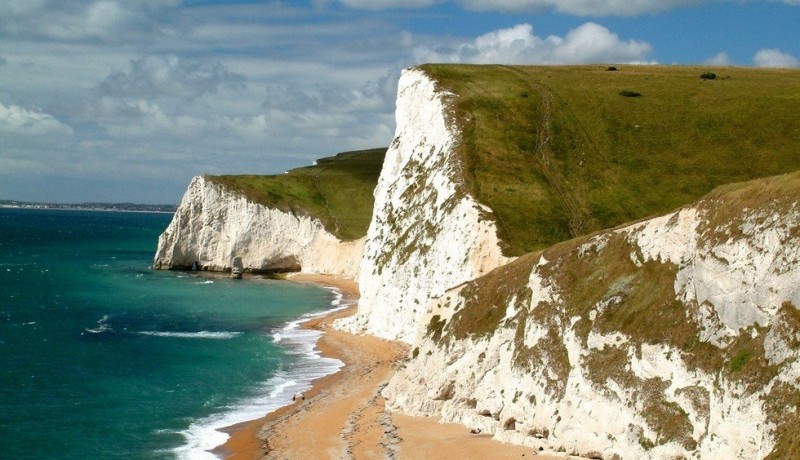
(675, 337)
(213, 225)
(427, 233)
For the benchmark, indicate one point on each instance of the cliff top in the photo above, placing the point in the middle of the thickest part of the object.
(562, 151)
(336, 190)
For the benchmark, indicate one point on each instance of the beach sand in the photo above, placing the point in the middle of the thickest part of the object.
(343, 415)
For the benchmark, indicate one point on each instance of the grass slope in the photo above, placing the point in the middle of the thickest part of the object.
(336, 190)
(558, 152)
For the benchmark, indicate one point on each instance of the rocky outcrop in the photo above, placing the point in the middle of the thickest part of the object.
(675, 337)
(213, 225)
(427, 233)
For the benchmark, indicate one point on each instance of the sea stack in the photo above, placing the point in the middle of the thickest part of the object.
(237, 268)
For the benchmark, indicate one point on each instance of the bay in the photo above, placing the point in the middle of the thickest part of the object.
(102, 357)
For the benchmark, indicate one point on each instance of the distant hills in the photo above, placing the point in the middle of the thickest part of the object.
(90, 206)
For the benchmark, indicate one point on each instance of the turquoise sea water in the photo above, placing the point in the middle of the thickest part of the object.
(103, 358)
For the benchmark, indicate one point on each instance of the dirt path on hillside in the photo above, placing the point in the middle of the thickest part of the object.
(579, 215)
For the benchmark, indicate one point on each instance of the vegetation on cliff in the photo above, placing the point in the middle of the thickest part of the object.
(604, 286)
(336, 190)
(557, 152)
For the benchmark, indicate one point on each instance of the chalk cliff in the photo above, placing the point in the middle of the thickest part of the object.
(427, 233)
(214, 224)
(675, 337)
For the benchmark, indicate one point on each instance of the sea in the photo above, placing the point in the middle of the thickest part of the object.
(102, 357)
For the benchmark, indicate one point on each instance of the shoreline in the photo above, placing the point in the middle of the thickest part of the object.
(344, 415)
(244, 442)
(77, 208)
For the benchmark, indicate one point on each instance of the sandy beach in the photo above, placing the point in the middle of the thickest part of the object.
(344, 416)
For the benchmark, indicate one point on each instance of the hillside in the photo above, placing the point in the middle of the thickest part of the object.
(558, 152)
(673, 337)
(336, 190)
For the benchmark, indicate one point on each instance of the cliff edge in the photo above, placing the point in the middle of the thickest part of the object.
(311, 219)
(427, 232)
(213, 225)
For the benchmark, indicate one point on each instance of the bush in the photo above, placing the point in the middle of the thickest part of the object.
(611, 69)
(740, 360)
(627, 93)
(708, 76)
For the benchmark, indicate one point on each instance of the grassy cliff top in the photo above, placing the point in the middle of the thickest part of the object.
(558, 152)
(336, 190)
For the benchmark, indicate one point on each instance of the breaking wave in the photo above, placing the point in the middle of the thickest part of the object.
(192, 335)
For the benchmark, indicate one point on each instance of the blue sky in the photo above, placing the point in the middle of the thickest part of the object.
(118, 100)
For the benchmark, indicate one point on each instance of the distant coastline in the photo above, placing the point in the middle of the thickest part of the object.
(126, 207)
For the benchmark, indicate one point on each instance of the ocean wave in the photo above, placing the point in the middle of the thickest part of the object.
(338, 303)
(192, 335)
(204, 435)
(102, 326)
(295, 376)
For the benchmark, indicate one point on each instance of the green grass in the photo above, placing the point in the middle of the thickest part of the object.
(556, 152)
(337, 190)
(740, 360)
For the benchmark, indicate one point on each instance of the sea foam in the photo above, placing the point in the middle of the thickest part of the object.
(102, 326)
(203, 435)
(192, 335)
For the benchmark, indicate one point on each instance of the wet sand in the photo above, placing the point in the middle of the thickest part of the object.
(344, 416)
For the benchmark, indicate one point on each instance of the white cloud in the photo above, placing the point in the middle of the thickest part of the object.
(719, 59)
(578, 7)
(17, 120)
(573, 7)
(371, 96)
(152, 76)
(309, 116)
(588, 43)
(104, 16)
(775, 58)
(104, 20)
(388, 4)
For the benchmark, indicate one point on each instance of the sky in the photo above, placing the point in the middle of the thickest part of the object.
(127, 100)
